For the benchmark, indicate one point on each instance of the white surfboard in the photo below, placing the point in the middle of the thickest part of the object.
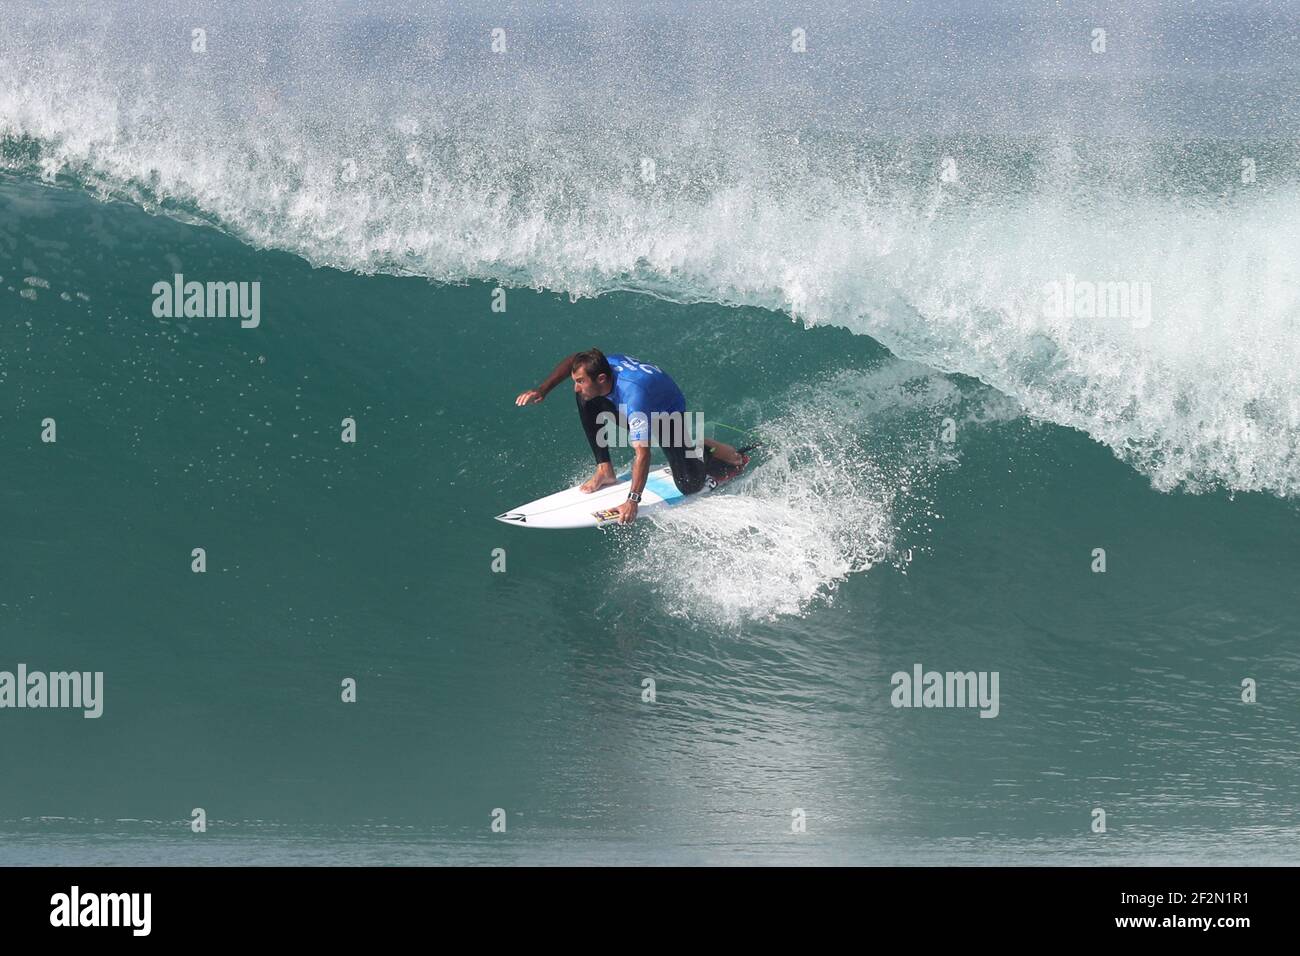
(573, 509)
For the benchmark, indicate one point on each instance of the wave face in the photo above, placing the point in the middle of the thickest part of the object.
(945, 199)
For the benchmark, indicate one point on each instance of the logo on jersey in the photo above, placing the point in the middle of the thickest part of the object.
(629, 364)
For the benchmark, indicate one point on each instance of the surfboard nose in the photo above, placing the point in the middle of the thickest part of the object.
(513, 517)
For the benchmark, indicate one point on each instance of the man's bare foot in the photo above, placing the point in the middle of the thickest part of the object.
(723, 452)
(604, 476)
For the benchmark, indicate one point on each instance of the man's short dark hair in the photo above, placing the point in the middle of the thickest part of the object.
(593, 362)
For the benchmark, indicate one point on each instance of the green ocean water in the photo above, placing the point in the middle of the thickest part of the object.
(523, 690)
(841, 252)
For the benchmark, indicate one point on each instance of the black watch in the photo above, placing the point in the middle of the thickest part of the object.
(634, 496)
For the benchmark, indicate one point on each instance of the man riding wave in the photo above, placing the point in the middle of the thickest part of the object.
(647, 396)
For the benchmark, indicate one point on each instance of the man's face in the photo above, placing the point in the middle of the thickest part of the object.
(588, 387)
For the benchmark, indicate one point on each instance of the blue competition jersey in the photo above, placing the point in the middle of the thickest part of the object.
(644, 389)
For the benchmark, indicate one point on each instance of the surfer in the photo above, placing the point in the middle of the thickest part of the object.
(620, 383)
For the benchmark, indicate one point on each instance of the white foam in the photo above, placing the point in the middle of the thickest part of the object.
(824, 500)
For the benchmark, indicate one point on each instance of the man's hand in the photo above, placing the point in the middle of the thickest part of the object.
(640, 470)
(627, 512)
(530, 397)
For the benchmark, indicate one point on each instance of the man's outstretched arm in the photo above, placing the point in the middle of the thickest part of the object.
(535, 395)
